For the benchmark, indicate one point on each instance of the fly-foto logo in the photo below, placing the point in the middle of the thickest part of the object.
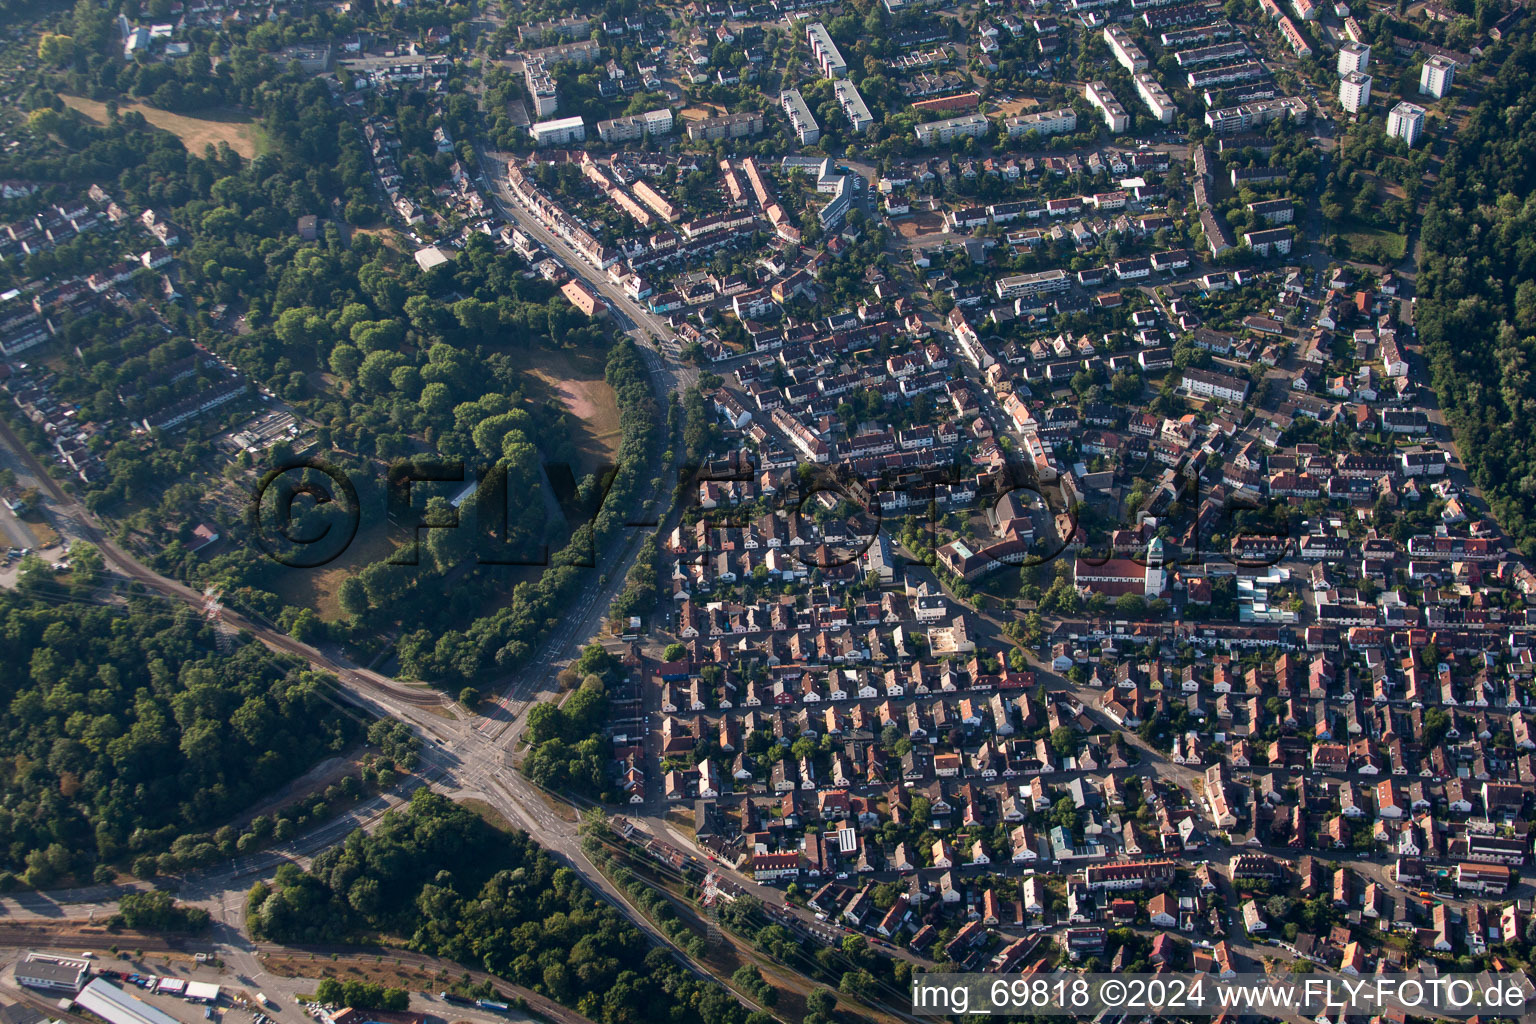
(307, 511)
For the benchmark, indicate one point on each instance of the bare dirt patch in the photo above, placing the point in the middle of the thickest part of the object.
(196, 133)
(917, 224)
(700, 112)
(1013, 107)
(381, 970)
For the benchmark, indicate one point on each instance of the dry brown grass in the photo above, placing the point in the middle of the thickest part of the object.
(577, 383)
(196, 133)
(699, 113)
(1013, 107)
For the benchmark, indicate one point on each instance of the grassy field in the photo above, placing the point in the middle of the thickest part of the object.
(318, 588)
(575, 380)
(1364, 239)
(196, 133)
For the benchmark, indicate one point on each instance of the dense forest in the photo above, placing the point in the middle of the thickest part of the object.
(126, 728)
(441, 877)
(1476, 310)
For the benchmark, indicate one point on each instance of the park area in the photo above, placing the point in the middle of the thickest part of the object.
(196, 133)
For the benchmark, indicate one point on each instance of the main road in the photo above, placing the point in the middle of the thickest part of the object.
(462, 756)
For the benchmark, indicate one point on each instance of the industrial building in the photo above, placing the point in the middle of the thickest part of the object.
(116, 1006)
(52, 974)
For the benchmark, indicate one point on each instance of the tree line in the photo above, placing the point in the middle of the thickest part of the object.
(1476, 309)
(438, 876)
(127, 729)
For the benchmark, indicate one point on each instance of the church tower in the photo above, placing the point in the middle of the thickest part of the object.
(1155, 577)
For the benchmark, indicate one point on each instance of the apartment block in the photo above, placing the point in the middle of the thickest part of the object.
(1099, 94)
(726, 126)
(1155, 97)
(559, 132)
(1354, 57)
(1042, 122)
(853, 105)
(807, 131)
(828, 57)
(1354, 92)
(1125, 49)
(541, 87)
(937, 133)
(1436, 76)
(1406, 121)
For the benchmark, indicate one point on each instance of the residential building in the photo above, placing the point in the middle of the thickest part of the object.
(828, 57)
(635, 126)
(1436, 76)
(807, 131)
(1354, 91)
(1099, 94)
(854, 108)
(1406, 121)
(541, 87)
(939, 133)
(1212, 384)
(726, 126)
(1125, 49)
(1354, 57)
(1155, 97)
(559, 132)
(1042, 122)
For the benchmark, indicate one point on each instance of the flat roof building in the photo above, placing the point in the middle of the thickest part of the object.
(636, 126)
(559, 132)
(51, 975)
(1436, 76)
(1043, 122)
(115, 1006)
(1099, 94)
(726, 126)
(1354, 57)
(937, 133)
(1406, 121)
(807, 131)
(1125, 49)
(828, 57)
(1155, 97)
(1354, 92)
(541, 87)
(853, 105)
